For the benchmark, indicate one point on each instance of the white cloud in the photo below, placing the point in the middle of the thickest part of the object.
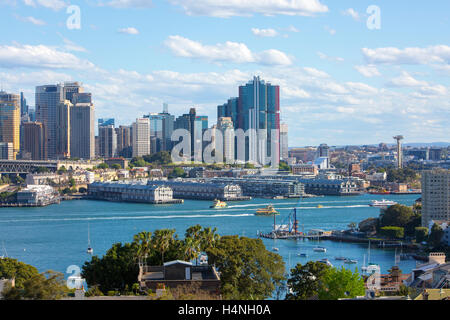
(330, 30)
(316, 73)
(434, 54)
(32, 20)
(225, 52)
(50, 4)
(229, 8)
(292, 29)
(324, 56)
(352, 13)
(368, 71)
(406, 80)
(39, 56)
(129, 30)
(264, 32)
(128, 3)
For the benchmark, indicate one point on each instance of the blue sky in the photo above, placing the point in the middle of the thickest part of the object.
(341, 82)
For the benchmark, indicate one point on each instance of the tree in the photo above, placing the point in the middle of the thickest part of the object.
(116, 166)
(283, 166)
(306, 280)
(162, 240)
(397, 216)
(435, 238)
(62, 170)
(177, 173)
(160, 158)
(421, 234)
(247, 269)
(49, 285)
(14, 269)
(103, 166)
(116, 269)
(143, 241)
(341, 283)
(393, 232)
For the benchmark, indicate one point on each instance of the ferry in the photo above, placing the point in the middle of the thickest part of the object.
(382, 203)
(320, 206)
(268, 211)
(218, 205)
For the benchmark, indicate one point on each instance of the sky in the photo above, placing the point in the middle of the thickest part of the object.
(350, 72)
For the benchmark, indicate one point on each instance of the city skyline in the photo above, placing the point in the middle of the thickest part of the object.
(330, 92)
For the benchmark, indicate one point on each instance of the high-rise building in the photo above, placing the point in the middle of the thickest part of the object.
(10, 120)
(435, 196)
(70, 89)
(161, 129)
(124, 145)
(196, 126)
(141, 137)
(225, 125)
(107, 138)
(48, 98)
(23, 105)
(34, 141)
(257, 109)
(6, 151)
(436, 154)
(399, 151)
(284, 142)
(82, 134)
(63, 129)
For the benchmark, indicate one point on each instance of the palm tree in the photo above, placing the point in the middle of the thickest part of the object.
(208, 238)
(190, 249)
(162, 240)
(143, 240)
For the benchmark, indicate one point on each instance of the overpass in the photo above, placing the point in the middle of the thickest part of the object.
(27, 166)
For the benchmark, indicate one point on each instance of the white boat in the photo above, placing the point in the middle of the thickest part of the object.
(275, 249)
(89, 249)
(350, 261)
(302, 255)
(383, 203)
(320, 249)
(340, 258)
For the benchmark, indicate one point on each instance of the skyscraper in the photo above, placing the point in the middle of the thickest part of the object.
(10, 120)
(48, 98)
(124, 145)
(257, 109)
(82, 135)
(284, 142)
(141, 137)
(34, 141)
(107, 137)
(106, 122)
(63, 129)
(196, 126)
(225, 125)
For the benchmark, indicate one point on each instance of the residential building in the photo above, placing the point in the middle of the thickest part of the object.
(10, 120)
(180, 275)
(141, 137)
(435, 196)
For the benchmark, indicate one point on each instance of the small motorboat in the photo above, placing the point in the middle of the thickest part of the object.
(350, 261)
(302, 255)
(326, 261)
(275, 249)
(340, 258)
(320, 249)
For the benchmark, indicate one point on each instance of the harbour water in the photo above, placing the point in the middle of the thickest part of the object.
(56, 237)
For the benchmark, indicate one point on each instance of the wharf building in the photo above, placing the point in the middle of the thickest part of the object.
(37, 196)
(204, 191)
(266, 188)
(435, 196)
(140, 192)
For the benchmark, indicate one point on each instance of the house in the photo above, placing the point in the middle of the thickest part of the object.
(432, 275)
(5, 283)
(180, 274)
